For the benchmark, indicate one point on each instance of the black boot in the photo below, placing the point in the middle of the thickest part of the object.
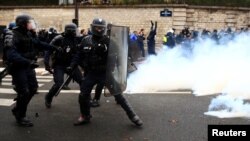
(48, 101)
(117, 102)
(49, 96)
(19, 111)
(84, 101)
(24, 122)
(128, 109)
(95, 103)
(82, 120)
(14, 112)
(66, 88)
(136, 120)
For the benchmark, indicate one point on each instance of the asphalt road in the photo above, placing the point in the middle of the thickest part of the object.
(167, 117)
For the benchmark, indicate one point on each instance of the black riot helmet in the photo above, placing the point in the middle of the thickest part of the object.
(98, 27)
(23, 20)
(52, 30)
(11, 25)
(70, 30)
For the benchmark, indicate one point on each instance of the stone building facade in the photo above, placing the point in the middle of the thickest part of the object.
(136, 16)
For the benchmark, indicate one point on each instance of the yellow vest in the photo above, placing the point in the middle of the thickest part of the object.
(165, 39)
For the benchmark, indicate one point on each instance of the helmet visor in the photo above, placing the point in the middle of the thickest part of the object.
(32, 24)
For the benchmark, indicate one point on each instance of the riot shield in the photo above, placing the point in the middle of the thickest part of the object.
(116, 72)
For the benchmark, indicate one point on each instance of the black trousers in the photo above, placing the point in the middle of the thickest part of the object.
(26, 86)
(88, 82)
(151, 47)
(58, 75)
(98, 91)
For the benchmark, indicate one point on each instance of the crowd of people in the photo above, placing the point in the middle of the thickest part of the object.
(187, 36)
(47, 35)
(171, 39)
(136, 42)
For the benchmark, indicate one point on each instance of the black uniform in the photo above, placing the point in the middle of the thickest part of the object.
(93, 54)
(21, 54)
(140, 39)
(99, 87)
(151, 39)
(5, 63)
(61, 60)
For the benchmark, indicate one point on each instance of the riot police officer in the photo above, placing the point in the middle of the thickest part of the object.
(21, 48)
(93, 54)
(5, 63)
(61, 60)
(52, 33)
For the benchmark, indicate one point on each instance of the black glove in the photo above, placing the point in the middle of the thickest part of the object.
(101, 48)
(152, 24)
(69, 70)
(34, 64)
(48, 68)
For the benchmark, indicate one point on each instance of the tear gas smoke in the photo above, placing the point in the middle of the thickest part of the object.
(206, 68)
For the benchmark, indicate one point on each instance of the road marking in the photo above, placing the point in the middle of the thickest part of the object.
(40, 59)
(38, 77)
(41, 71)
(11, 91)
(38, 70)
(6, 102)
(62, 91)
(167, 92)
(39, 80)
(10, 84)
(7, 91)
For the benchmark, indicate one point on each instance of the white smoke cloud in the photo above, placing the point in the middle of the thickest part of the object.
(225, 106)
(208, 68)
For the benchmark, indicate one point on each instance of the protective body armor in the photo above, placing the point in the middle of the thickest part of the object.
(94, 53)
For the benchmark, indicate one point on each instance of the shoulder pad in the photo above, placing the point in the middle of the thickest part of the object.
(58, 37)
(9, 32)
(8, 39)
(87, 40)
(87, 37)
